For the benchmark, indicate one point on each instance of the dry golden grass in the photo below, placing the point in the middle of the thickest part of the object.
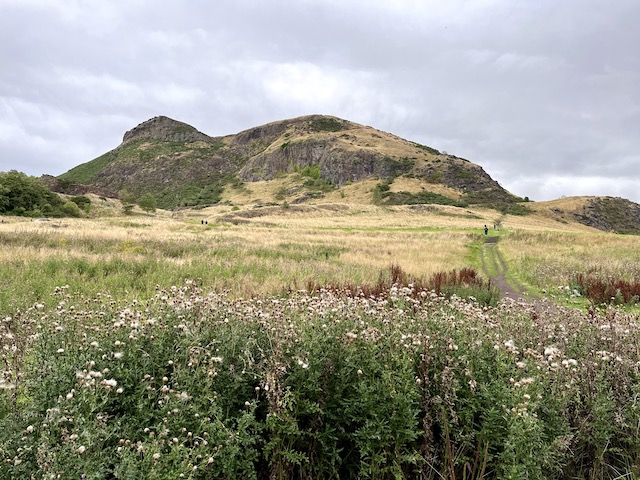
(414, 185)
(263, 250)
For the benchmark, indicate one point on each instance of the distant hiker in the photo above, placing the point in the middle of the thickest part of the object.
(486, 230)
(201, 222)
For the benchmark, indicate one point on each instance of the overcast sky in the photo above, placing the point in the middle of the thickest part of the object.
(544, 94)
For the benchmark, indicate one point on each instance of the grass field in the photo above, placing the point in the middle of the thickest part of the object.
(166, 347)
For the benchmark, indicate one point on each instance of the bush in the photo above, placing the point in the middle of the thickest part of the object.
(82, 201)
(71, 209)
(147, 202)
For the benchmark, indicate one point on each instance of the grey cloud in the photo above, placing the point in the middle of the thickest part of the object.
(545, 96)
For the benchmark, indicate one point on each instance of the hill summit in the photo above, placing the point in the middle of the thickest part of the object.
(182, 166)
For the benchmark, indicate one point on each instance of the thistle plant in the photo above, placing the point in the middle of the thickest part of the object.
(404, 383)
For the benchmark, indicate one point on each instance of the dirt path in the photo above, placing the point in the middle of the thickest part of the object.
(495, 268)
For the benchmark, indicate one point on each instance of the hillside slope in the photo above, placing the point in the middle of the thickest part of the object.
(610, 214)
(181, 166)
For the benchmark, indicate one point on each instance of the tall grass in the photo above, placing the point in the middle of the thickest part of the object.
(127, 259)
(550, 262)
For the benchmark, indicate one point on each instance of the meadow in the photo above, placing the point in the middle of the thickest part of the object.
(166, 347)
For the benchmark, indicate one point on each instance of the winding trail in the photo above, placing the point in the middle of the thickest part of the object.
(495, 268)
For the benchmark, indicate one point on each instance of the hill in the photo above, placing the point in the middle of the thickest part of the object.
(316, 154)
(610, 214)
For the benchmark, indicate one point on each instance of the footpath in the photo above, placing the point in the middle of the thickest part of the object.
(495, 268)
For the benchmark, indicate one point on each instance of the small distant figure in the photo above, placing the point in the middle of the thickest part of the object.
(206, 222)
(486, 230)
(201, 222)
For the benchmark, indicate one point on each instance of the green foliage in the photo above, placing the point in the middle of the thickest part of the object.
(147, 202)
(190, 195)
(127, 208)
(397, 167)
(402, 384)
(312, 171)
(433, 151)
(27, 196)
(497, 199)
(423, 197)
(83, 174)
(326, 125)
(71, 209)
(83, 202)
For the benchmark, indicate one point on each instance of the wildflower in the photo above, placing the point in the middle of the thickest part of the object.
(118, 355)
(156, 456)
(60, 351)
(109, 383)
(30, 429)
(82, 449)
(551, 352)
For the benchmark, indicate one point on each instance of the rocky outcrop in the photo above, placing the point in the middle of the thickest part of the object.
(58, 186)
(167, 130)
(611, 214)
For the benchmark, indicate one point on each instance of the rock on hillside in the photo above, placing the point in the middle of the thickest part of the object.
(165, 129)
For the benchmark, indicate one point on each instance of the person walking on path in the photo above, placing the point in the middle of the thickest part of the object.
(486, 230)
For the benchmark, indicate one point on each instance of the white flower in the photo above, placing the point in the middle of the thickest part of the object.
(109, 383)
(82, 449)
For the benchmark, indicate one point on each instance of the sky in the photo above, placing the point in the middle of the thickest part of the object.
(544, 95)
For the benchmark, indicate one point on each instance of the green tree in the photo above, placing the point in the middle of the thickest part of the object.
(147, 202)
(21, 194)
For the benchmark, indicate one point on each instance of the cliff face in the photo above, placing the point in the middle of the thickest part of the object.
(168, 158)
